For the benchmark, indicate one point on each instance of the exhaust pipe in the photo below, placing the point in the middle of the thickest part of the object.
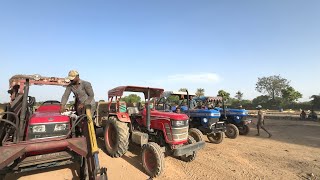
(148, 111)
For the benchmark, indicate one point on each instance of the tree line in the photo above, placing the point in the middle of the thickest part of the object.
(276, 93)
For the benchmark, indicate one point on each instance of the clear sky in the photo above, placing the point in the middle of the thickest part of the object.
(206, 44)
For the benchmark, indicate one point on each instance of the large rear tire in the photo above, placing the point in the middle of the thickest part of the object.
(116, 137)
(191, 157)
(232, 131)
(244, 130)
(152, 159)
(196, 134)
(216, 138)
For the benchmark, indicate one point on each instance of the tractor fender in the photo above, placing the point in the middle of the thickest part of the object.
(123, 117)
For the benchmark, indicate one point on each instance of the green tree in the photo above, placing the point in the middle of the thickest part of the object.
(315, 100)
(272, 85)
(200, 92)
(290, 95)
(239, 95)
(132, 98)
(261, 100)
(183, 90)
(225, 95)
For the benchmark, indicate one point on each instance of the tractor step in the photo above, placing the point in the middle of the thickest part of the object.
(45, 158)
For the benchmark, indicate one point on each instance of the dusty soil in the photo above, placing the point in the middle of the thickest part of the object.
(293, 152)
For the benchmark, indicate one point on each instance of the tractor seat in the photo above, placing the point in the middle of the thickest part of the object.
(132, 110)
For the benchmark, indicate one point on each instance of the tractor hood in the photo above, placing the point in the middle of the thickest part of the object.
(171, 115)
(48, 117)
(238, 112)
(208, 113)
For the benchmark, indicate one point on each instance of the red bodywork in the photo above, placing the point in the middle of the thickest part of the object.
(159, 120)
(46, 114)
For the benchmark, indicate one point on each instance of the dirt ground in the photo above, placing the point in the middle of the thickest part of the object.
(293, 152)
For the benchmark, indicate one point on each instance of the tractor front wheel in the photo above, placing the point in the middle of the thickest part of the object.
(116, 137)
(244, 130)
(189, 158)
(152, 159)
(196, 134)
(215, 138)
(232, 131)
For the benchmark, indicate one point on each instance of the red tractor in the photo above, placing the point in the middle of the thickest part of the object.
(158, 133)
(45, 138)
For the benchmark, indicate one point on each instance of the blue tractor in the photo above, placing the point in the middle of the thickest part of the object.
(202, 121)
(211, 103)
(237, 117)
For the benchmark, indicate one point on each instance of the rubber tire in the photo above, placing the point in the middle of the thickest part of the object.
(216, 139)
(192, 157)
(156, 151)
(234, 129)
(84, 171)
(244, 130)
(121, 145)
(196, 134)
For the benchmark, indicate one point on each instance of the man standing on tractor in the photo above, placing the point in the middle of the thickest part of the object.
(260, 123)
(83, 93)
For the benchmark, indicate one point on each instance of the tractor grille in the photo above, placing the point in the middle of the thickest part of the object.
(48, 133)
(213, 121)
(177, 133)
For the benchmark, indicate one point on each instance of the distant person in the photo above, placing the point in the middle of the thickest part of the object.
(303, 115)
(260, 123)
(193, 103)
(83, 93)
(313, 115)
(178, 110)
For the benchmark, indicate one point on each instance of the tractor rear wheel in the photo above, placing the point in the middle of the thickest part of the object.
(189, 158)
(196, 134)
(244, 130)
(152, 159)
(116, 137)
(215, 138)
(232, 131)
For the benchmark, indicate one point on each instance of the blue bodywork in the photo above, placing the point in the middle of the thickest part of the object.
(206, 120)
(234, 115)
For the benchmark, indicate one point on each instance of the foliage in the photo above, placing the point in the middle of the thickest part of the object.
(272, 85)
(200, 92)
(290, 95)
(239, 95)
(315, 101)
(132, 98)
(183, 90)
(224, 94)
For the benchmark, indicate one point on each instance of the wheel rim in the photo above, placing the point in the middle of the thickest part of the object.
(150, 160)
(217, 136)
(110, 136)
(231, 131)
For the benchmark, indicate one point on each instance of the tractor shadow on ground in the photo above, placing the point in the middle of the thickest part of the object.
(73, 168)
(134, 160)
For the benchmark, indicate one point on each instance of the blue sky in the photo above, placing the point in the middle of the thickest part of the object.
(169, 44)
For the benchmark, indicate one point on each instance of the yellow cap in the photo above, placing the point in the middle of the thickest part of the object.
(72, 74)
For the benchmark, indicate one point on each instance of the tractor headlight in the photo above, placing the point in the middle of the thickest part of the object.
(179, 123)
(60, 127)
(237, 117)
(205, 120)
(39, 128)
